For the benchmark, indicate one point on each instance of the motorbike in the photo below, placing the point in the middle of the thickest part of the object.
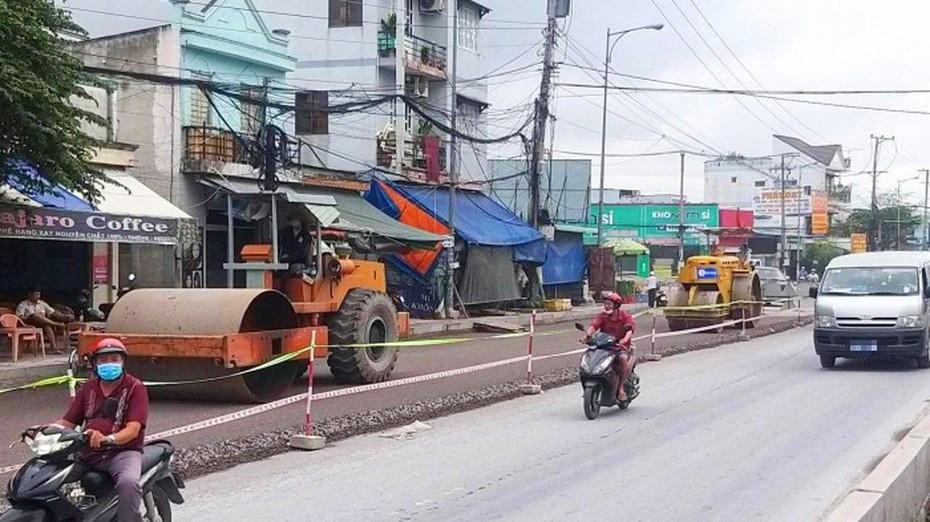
(661, 298)
(598, 378)
(53, 486)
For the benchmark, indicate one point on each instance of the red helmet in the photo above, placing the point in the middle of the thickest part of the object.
(614, 298)
(108, 345)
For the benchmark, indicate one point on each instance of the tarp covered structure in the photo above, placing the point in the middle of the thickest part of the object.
(495, 237)
(565, 262)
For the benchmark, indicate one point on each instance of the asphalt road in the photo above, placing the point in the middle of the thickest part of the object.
(30, 407)
(748, 431)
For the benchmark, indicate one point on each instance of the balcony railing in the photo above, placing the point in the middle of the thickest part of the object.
(203, 143)
(841, 193)
(415, 157)
(420, 55)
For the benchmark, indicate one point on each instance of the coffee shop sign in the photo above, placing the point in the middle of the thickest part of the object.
(58, 224)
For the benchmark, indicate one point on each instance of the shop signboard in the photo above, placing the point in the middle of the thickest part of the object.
(101, 269)
(657, 224)
(798, 200)
(55, 224)
(858, 243)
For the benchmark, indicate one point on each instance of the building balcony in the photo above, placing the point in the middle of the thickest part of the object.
(211, 149)
(416, 158)
(421, 57)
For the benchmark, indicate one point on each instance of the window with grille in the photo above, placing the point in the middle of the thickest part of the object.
(251, 119)
(345, 13)
(312, 115)
(468, 29)
(468, 117)
(200, 113)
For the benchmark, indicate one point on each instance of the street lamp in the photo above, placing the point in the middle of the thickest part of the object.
(898, 236)
(610, 49)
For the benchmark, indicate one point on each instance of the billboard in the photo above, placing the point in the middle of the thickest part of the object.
(798, 200)
(657, 224)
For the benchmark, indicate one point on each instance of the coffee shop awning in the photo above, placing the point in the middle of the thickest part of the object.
(128, 212)
(337, 209)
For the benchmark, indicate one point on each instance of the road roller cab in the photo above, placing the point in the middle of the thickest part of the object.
(713, 289)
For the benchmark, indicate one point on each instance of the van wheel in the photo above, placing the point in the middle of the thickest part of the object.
(923, 362)
(827, 362)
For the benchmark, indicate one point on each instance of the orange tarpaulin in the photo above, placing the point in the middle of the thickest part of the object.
(411, 214)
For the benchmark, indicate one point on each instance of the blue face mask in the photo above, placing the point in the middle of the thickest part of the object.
(110, 371)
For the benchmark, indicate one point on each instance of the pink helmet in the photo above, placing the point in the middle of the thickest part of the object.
(614, 298)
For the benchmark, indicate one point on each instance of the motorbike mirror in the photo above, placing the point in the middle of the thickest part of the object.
(108, 410)
(579, 326)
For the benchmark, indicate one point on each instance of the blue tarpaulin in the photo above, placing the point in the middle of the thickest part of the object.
(566, 260)
(56, 197)
(479, 220)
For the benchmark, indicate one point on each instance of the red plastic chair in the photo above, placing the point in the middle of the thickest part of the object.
(14, 328)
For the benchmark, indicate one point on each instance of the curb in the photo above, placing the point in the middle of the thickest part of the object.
(896, 489)
(20, 375)
(439, 327)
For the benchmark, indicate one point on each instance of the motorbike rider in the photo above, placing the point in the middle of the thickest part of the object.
(115, 437)
(620, 325)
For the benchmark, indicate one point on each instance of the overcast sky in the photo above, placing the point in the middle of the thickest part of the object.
(786, 44)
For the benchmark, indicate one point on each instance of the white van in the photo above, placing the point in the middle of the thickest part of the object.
(875, 304)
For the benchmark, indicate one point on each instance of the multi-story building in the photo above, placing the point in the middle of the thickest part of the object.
(735, 181)
(353, 51)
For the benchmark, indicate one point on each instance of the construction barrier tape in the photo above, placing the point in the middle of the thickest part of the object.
(70, 380)
(255, 410)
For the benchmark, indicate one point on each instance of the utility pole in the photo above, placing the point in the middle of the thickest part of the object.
(449, 298)
(681, 215)
(539, 133)
(542, 112)
(923, 223)
(784, 230)
(875, 223)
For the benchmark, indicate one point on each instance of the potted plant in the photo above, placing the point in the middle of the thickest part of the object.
(387, 37)
(426, 55)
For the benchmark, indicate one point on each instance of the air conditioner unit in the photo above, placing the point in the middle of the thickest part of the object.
(431, 6)
(417, 87)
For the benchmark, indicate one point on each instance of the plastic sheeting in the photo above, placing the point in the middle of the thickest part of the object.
(392, 203)
(490, 276)
(56, 197)
(479, 220)
(565, 262)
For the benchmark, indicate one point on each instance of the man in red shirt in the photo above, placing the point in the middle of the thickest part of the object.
(113, 406)
(619, 324)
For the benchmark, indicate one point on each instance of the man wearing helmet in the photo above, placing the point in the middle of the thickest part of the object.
(113, 406)
(619, 324)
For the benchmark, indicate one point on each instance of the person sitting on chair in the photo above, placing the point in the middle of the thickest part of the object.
(36, 312)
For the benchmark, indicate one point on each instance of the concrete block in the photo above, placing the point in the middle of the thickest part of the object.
(860, 506)
(530, 389)
(307, 442)
(921, 429)
(651, 357)
(902, 479)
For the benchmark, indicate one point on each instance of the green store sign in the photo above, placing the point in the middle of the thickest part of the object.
(655, 224)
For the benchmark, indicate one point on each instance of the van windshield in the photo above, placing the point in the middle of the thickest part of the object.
(870, 281)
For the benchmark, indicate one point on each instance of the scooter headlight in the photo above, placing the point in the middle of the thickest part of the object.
(603, 365)
(585, 367)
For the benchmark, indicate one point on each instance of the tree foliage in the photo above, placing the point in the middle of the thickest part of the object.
(38, 78)
(818, 255)
(860, 220)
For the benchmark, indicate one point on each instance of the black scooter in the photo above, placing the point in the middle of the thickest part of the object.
(53, 486)
(598, 378)
(661, 298)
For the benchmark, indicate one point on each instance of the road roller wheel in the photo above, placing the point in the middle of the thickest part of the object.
(365, 317)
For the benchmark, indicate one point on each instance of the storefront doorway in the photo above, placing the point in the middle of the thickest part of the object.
(60, 268)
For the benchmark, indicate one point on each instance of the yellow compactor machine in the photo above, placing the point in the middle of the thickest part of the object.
(712, 290)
